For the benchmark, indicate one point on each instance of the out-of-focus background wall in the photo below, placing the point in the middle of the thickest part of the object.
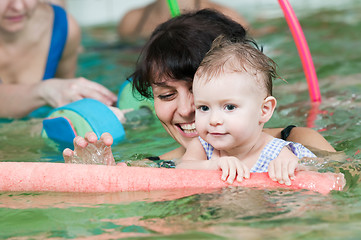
(95, 12)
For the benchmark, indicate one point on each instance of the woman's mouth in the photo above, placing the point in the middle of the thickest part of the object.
(188, 129)
(18, 18)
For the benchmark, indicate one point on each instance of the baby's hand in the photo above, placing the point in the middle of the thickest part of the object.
(282, 169)
(232, 166)
(90, 150)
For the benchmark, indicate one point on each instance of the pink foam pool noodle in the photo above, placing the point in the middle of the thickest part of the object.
(303, 50)
(61, 177)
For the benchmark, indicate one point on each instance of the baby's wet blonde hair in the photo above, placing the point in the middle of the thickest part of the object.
(227, 56)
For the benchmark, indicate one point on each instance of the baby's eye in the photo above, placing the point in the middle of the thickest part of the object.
(203, 108)
(230, 107)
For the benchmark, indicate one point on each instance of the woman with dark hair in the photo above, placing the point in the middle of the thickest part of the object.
(177, 47)
(165, 72)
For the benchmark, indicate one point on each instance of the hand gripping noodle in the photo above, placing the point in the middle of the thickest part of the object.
(61, 177)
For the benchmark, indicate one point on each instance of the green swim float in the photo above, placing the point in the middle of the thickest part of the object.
(77, 118)
(129, 100)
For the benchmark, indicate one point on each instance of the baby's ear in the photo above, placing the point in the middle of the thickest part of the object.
(267, 109)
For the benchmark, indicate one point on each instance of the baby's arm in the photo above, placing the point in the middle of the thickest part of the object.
(196, 158)
(282, 168)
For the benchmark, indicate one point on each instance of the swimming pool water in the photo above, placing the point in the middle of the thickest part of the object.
(231, 213)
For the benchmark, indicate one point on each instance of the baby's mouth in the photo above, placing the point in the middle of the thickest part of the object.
(188, 128)
(216, 134)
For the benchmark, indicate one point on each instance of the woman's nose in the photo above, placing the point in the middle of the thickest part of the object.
(17, 4)
(186, 106)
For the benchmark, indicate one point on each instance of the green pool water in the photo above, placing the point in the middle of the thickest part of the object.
(230, 213)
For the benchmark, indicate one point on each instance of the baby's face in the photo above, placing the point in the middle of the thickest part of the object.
(228, 109)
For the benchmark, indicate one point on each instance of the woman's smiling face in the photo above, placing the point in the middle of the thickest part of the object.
(15, 13)
(174, 106)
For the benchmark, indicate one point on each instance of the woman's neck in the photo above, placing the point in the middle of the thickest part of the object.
(10, 38)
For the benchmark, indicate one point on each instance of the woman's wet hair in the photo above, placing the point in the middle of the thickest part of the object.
(177, 47)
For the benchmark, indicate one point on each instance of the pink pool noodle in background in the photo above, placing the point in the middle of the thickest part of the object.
(303, 50)
(61, 177)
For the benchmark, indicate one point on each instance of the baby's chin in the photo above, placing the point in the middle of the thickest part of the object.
(219, 145)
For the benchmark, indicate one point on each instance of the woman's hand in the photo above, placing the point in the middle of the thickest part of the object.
(58, 92)
(90, 150)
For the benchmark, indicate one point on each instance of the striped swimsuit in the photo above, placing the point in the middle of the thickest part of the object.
(269, 153)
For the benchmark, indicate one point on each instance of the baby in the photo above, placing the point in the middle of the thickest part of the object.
(232, 91)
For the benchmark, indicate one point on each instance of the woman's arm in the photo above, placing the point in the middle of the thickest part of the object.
(174, 154)
(18, 100)
(195, 157)
(306, 136)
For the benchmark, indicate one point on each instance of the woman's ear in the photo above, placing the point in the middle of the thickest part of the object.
(267, 109)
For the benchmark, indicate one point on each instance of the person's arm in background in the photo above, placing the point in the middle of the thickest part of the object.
(234, 15)
(18, 100)
(128, 23)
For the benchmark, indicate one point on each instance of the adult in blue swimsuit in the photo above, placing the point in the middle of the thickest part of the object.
(40, 42)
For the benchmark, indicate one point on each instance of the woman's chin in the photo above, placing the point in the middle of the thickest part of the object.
(184, 139)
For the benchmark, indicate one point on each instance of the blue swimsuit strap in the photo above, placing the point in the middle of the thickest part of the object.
(58, 41)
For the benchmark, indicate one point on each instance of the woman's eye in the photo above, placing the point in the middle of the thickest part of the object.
(230, 107)
(166, 96)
